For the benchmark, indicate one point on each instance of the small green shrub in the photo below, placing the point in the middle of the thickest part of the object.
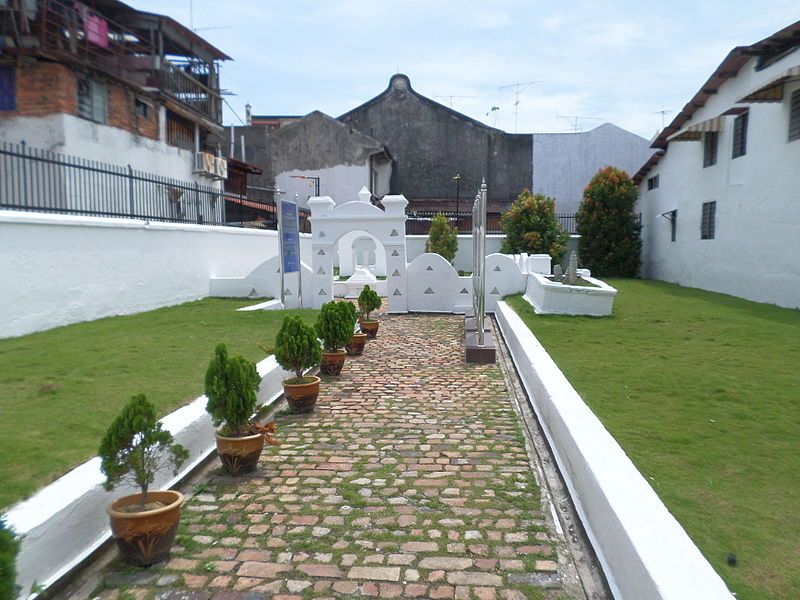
(9, 548)
(531, 226)
(350, 310)
(442, 238)
(610, 244)
(231, 385)
(135, 447)
(368, 300)
(333, 326)
(296, 347)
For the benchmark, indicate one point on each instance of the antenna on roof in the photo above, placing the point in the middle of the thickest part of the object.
(518, 88)
(451, 98)
(663, 113)
(573, 119)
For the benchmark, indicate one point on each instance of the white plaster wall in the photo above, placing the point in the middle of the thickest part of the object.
(415, 245)
(66, 521)
(265, 281)
(503, 277)
(549, 297)
(78, 137)
(342, 183)
(644, 552)
(434, 286)
(754, 253)
(61, 269)
(344, 253)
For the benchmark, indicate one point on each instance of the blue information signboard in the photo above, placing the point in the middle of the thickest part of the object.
(290, 236)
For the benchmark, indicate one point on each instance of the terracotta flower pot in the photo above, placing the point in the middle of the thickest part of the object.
(356, 345)
(145, 538)
(239, 454)
(302, 397)
(370, 328)
(332, 362)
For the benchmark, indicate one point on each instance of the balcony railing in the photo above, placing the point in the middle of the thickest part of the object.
(188, 91)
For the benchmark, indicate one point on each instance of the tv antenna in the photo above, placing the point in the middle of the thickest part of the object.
(663, 113)
(450, 101)
(573, 119)
(518, 89)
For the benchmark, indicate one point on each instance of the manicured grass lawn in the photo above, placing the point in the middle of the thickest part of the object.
(702, 391)
(60, 389)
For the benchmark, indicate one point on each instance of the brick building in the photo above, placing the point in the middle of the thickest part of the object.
(110, 83)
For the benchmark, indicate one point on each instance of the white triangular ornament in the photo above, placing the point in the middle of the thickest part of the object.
(396, 273)
(429, 268)
(322, 293)
(497, 268)
(394, 233)
(495, 292)
(397, 293)
(321, 271)
(429, 291)
(395, 253)
(464, 291)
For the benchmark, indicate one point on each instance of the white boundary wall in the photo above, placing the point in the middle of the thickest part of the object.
(644, 552)
(66, 521)
(62, 269)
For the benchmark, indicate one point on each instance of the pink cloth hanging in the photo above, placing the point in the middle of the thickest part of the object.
(96, 29)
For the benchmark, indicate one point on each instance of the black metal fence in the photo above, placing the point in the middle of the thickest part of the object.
(419, 222)
(43, 181)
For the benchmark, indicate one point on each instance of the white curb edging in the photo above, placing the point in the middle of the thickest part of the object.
(644, 552)
(65, 522)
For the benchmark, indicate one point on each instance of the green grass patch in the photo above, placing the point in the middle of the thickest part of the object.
(701, 390)
(60, 389)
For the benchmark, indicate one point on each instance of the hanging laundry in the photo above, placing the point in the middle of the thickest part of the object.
(95, 27)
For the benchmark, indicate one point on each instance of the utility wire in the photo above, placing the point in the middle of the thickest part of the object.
(233, 111)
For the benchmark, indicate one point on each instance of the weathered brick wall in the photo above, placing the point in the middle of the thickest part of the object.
(121, 113)
(45, 88)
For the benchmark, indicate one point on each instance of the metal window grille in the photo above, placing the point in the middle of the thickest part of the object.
(8, 85)
(652, 182)
(708, 221)
(794, 116)
(710, 144)
(740, 135)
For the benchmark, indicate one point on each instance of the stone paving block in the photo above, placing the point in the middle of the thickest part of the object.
(409, 480)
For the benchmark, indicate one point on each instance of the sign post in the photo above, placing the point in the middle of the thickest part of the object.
(289, 240)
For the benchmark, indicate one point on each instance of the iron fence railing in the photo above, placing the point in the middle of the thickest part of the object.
(43, 181)
(419, 222)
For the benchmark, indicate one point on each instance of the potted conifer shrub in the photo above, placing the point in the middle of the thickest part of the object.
(355, 347)
(335, 329)
(9, 548)
(231, 385)
(297, 349)
(134, 449)
(368, 301)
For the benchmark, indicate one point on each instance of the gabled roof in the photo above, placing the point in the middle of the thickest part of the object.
(402, 81)
(368, 143)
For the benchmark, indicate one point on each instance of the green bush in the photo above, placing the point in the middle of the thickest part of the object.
(350, 309)
(135, 447)
(296, 347)
(368, 300)
(531, 226)
(610, 244)
(231, 385)
(333, 326)
(442, 238)
(9, 548)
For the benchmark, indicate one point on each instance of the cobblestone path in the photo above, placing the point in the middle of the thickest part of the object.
(411, 480)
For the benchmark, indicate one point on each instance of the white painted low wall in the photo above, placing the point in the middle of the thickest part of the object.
(553, 298)
(415, 246)
(62, 269)
(645, 553)
(66, 521)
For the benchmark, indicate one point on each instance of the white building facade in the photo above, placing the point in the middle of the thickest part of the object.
(720, 199)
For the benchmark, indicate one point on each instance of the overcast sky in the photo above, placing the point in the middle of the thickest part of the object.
(620, 62)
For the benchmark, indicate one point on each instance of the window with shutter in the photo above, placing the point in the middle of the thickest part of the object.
(794, 116)
(8, 85)
(708, 221)
(740, 135)
(710, 142)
